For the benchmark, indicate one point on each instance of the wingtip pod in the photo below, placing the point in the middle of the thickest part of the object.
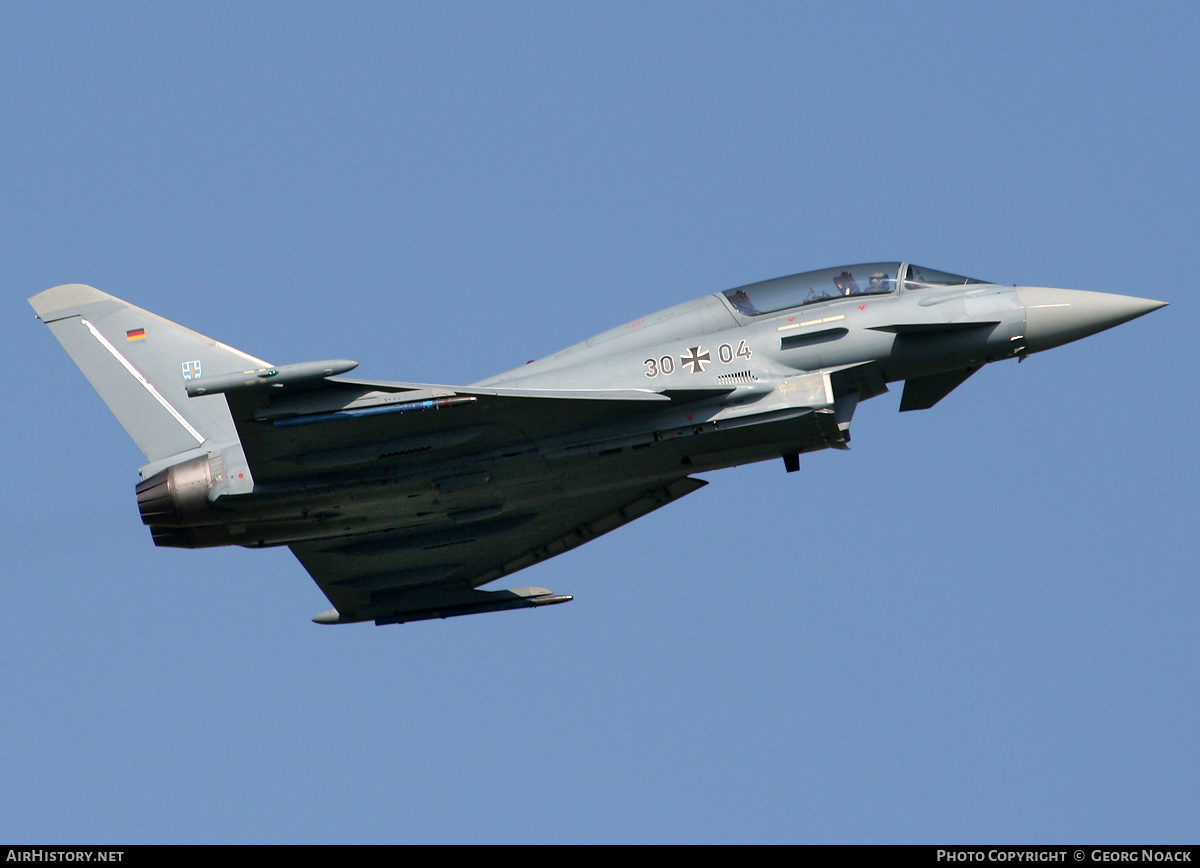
(477, 602)
(481, 601)
(551, 599)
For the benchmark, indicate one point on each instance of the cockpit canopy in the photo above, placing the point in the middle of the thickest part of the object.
(873, 278)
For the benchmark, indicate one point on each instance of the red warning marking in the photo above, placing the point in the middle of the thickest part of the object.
(862, 307)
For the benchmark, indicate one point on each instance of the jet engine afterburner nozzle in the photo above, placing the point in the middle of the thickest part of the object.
(174, 504)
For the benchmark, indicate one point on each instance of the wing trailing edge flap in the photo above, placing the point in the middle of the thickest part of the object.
(393, 582)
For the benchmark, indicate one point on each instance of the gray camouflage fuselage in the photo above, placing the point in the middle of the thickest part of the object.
(401, 499)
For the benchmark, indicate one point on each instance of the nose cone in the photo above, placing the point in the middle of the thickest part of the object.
(1054, 317)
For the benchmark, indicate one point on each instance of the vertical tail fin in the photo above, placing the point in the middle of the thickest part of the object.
(138, 362)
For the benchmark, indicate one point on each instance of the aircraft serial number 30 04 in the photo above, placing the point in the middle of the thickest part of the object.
(403, 499)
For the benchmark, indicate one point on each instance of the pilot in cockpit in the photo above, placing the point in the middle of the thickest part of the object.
(846, 285)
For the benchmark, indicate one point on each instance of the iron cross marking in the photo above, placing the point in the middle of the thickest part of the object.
(696, 359)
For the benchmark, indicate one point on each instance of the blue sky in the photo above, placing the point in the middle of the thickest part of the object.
(978, 625)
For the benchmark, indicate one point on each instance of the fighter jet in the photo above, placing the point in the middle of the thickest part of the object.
(403, 499)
